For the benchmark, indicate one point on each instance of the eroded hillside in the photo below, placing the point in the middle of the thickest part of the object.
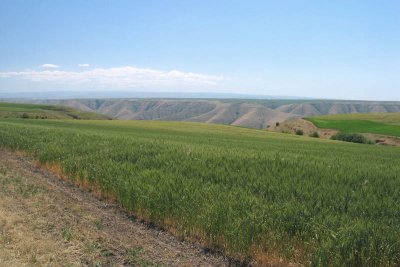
(247, 113)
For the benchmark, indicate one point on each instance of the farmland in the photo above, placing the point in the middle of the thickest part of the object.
(14, 110)
(248, 193)
(376, 123)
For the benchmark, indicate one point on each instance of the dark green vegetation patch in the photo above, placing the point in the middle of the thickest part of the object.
(242, 191)
(352, 138)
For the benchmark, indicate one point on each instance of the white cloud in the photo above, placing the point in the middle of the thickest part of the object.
(49, 66)
(83, 65)
(121, 77)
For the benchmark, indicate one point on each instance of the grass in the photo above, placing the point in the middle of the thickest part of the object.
(15, 110)
(388, 117)
(376, 123)
(67, 233)
(39, 226)
(248, 193)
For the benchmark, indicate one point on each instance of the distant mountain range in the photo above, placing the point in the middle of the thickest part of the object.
(255, 113)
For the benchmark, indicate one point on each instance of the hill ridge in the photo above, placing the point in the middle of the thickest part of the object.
(259, 114)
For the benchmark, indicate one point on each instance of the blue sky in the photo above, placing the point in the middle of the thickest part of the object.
(323, 49)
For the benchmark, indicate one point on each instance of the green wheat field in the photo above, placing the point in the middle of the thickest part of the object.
(377, 123)
(244, 192)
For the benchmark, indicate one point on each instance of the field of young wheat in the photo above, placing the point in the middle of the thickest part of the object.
(248, 193)
(377, 123)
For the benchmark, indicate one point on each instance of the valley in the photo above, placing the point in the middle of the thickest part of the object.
(258, 114)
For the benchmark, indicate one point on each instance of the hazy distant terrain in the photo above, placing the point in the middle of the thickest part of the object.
(256, 113)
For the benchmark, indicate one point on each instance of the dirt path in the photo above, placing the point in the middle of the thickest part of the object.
(45, 221)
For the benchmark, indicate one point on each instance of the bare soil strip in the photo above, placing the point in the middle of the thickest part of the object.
(45, 221)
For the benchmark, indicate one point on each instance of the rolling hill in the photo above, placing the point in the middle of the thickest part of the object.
(34, 111)
(257, 114)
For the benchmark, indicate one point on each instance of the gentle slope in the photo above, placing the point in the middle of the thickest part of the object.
(245, 192)
(15, 110)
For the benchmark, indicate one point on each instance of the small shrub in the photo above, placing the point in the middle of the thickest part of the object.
(314, 134)
(91, 247)
(133, 255)
(76, 117)
(98, 224)
(299, 132)
(351, 137)
(67, 233)
(3, 170)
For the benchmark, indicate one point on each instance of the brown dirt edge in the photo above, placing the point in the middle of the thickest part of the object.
(159, 245)
(291, 125)
(120, 230)
(384, 140)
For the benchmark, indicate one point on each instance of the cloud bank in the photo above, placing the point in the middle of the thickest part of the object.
(121, 77)
(49, 66)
